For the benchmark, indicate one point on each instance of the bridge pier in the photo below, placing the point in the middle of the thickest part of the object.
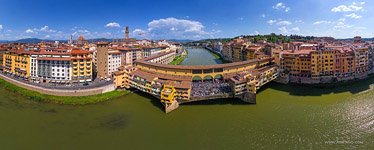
(248, 98)
(170, 107)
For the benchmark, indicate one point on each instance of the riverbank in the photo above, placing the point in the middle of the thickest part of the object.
(179, 59)
(69, 100)
(51, 90)
(218, 57)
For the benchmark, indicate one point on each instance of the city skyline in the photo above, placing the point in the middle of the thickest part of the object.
(192, 20)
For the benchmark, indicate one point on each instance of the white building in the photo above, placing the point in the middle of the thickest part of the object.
(114, 61)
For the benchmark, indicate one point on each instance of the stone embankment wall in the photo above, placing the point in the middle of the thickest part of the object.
(60, 92)
(323, 80)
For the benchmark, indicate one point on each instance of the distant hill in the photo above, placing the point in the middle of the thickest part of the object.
(31, 40)
(180, 41)
(4, 41)
(99, 40)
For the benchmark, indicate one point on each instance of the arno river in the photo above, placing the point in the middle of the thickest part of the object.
(285, 116)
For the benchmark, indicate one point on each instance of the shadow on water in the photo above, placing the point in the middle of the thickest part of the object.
(153, 100)
(113, 121)
(352, 87)
(228, 101)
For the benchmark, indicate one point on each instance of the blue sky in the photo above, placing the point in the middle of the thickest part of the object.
(187, 19)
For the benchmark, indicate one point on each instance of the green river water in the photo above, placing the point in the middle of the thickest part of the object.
(284, 117)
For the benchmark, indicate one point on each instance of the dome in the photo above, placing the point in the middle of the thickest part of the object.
(81, 38)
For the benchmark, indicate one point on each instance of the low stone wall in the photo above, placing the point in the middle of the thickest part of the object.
(59, 92)
(322, 80)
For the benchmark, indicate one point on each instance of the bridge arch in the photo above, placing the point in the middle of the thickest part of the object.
(197, 78)
(218, 76)
(208, 77)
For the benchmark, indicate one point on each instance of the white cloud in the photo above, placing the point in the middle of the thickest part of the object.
(286, 30)
(44, 29)
(322, 22)
(342, 19)
(349, 8)
(263, 16)
(353, 16)
(283, 29)
(82, 32)
(342, 25)
(47, 29)
(172, 28)
(296, 29)
(29, 31)
(279, 22)
(1, 27)
(281, 6)
(271, 22)
(139, 32)
(284, 23)
(287, 9)
(112, 25)
(257, 33)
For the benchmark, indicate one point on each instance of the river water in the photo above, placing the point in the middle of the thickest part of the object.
(285, 116)
(198, 56)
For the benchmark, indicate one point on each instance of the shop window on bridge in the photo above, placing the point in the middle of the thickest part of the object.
(197, 71)
(208, 71)
(218, 70)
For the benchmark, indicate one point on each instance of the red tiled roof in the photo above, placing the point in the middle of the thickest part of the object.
(77, 51)
(218, 66)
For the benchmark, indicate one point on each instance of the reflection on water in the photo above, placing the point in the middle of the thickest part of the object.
(285, 116)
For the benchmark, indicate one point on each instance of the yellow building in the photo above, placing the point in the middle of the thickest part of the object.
(168, 94)
(122, 76)
(17, 62)
(81, 66)
(324, 63)
(251, 51)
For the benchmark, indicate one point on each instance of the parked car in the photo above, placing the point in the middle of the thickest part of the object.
(85, 84)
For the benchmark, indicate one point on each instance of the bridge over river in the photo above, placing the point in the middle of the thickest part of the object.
(175, 85)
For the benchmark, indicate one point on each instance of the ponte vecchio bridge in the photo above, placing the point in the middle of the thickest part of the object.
(175, 85)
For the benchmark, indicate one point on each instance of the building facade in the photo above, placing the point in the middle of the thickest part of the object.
(50, 65)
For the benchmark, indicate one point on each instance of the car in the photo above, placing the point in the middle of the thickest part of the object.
(85, 84)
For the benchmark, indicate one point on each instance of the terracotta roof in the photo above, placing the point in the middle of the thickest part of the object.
(122, 48)
(76, 51)
(157, 56)
(217, 66)
(176, 81)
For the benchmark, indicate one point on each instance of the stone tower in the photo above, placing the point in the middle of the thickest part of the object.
(127, 33)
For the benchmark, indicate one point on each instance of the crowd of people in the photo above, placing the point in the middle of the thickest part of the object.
(210, 88)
